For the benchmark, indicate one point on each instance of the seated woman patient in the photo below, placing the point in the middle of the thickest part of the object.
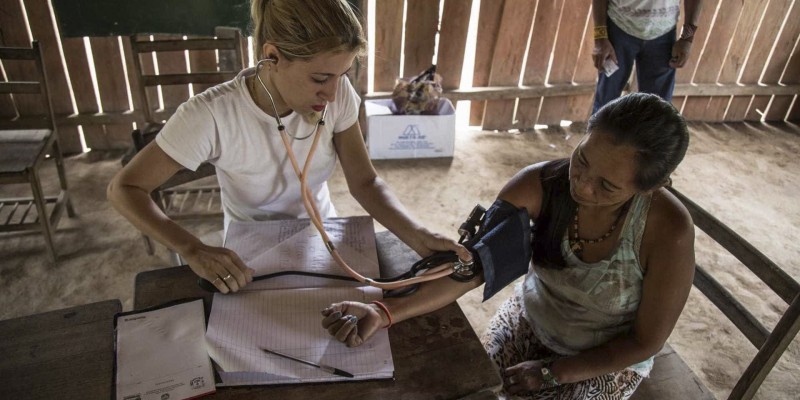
(612, 264)
(253, 127)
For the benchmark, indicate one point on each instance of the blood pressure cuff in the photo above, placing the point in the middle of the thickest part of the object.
(502, 245)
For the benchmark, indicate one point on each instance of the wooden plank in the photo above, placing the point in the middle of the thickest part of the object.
(113, 91)
(488, 28)
(7, 108)
(388, 41)
(768, 355)
(778, 108)
(41, 22)
(580, 107)
(133, 78)
(453, 41)
(709, 67)
(545, 26)
(684, 75)
(14, 33)
(172, 62)
(422, 20)
(791, 75)
(577, 89)
(771, 24)
(82, 87)
(148, 68)
(794, 113)
(202, 61)
(777, 63)
(508, 59)
(750, 16)
(570, 36)
(231, 59)
(764, 268)
(359, 75)
(737, 313)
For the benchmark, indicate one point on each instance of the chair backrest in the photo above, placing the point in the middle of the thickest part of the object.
(24, 98)
(231, 61)
(770, 344)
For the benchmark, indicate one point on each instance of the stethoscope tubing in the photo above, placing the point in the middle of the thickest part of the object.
(311, 207)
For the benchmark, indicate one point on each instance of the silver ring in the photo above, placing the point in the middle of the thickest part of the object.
(214, 282)
(227, 277)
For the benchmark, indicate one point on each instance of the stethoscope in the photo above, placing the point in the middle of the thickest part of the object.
(433, 267)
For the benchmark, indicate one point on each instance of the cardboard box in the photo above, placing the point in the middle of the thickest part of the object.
(409, 136)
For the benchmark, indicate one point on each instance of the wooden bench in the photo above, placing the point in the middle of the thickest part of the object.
(671, 378)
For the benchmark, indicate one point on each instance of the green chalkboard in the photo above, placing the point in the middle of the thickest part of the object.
(77, 18)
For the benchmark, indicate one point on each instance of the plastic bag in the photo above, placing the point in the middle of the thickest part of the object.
(418, 95)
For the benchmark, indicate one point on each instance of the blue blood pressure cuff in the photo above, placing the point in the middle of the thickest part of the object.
(502, 246)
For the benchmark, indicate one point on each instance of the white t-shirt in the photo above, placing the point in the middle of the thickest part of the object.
(225, 127)
(645, 19)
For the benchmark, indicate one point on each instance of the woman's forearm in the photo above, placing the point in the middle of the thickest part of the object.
(136, 205)
(613, 356)
(379, 202)
(430, 296)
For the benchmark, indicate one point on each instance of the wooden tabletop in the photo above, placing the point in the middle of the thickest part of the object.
(64, 354)
(436, 356)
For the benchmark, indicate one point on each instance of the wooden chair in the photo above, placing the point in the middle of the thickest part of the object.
(27, 140)
(177, 201)
(671, 378)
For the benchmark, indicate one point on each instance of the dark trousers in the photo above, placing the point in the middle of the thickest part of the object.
(653, 73)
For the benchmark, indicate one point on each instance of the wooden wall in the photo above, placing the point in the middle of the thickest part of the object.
(745, 64)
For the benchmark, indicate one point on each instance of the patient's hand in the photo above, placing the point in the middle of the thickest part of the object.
(352, 323)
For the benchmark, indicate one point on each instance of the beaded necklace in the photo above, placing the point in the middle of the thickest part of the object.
(576, 244)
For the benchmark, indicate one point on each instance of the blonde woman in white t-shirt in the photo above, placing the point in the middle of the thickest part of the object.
(305, 48)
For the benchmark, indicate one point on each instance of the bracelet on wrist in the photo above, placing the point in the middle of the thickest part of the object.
(385, 311)
(600, 32)
(548, 379)
(687, 34)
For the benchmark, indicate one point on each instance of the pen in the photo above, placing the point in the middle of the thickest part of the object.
(326, 368)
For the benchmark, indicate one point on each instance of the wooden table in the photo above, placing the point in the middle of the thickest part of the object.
(436, 356)
(64, 354)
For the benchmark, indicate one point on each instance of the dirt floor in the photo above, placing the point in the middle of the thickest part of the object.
(747, 175)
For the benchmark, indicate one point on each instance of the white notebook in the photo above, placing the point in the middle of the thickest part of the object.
(161, 353)
(283, 313)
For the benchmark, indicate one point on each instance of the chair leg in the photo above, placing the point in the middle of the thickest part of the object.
(62, 175)
(41, 208)
(175, 258)
(148, 244)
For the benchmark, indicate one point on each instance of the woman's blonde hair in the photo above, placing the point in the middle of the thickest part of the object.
(301, 29)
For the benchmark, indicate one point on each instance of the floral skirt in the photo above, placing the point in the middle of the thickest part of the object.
(509, 340)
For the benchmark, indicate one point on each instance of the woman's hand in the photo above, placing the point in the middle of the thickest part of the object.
(352, 323)
(523, 377)
(433, 242)
(220, 266)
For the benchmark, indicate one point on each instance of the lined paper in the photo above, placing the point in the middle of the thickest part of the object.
(281, 245)
(283, 314)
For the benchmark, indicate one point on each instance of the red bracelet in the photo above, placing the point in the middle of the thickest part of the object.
(385, 310)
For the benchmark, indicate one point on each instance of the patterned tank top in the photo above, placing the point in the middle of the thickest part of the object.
(587, 304)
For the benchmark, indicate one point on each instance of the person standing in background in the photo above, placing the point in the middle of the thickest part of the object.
(640, 32)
